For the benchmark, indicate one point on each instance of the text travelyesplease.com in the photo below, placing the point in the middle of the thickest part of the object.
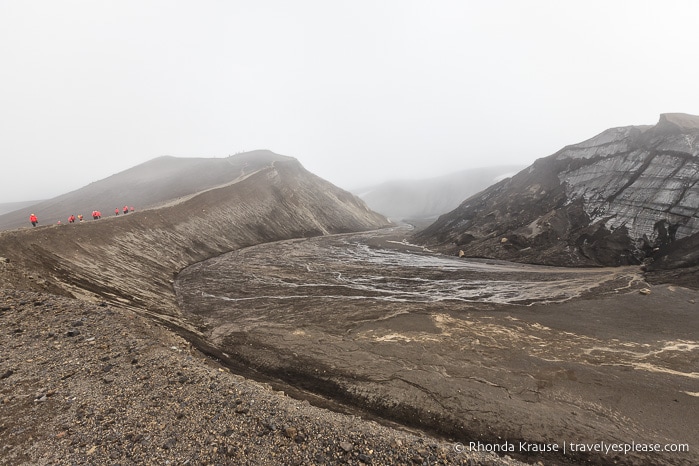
(571, 447)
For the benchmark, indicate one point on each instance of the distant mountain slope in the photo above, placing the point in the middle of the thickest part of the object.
(152, 183)
(12, 206)
(133, 258)
(620, 197)
(429, 198)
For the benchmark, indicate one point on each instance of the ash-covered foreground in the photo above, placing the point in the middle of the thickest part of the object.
(96, 384)
(476, 350)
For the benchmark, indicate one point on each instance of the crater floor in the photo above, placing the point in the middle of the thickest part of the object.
(472, 349)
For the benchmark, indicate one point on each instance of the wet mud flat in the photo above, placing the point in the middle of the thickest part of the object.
(478, 351)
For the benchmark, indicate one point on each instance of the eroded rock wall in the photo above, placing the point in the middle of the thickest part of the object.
(615, 199)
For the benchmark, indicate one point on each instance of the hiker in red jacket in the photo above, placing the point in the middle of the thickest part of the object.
(71, 219)
(33, 219)
(116, 211)
(126, 209)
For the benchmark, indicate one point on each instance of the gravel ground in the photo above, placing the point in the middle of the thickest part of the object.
(89, 383)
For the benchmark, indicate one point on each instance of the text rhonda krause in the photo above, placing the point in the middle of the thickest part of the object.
(571, 447)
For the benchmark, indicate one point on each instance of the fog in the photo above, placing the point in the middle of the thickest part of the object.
(360, 92)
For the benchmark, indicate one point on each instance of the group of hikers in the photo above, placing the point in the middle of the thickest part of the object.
(126, 210)
(96, 215)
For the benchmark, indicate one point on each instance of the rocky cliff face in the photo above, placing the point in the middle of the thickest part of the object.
(619, 198)
(133, 259)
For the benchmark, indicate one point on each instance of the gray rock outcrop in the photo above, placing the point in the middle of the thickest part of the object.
(618, 198)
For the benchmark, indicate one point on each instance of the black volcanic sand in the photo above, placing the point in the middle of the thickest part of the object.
(472, 350)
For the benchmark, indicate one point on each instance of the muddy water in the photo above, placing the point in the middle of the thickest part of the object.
(469, 348)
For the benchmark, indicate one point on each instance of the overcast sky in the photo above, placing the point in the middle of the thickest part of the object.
(358, 91)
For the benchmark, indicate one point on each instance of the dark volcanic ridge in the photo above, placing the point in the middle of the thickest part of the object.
(144, 186)
(132, 259)
(629, 195)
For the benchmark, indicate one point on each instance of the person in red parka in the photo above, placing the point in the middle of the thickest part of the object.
(126, 209)
(33, 219)
(116, 211)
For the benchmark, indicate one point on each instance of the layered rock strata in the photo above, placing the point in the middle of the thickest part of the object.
(618, 198)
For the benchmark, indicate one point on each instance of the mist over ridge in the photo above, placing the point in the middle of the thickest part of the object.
(427, 198)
